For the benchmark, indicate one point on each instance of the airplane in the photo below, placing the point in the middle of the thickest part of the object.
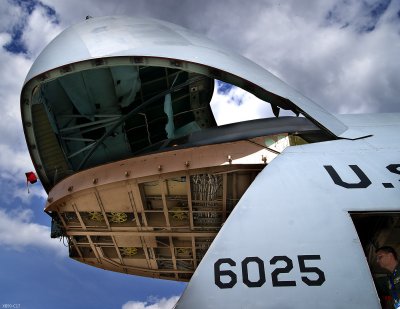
(280, 212)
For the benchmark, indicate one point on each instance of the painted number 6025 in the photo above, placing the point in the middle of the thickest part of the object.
(227, 278)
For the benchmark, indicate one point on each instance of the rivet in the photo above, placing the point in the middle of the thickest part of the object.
(127, 173)
(230, 159)
(95, 180)
(65, 69)
(187, 164)
(160, 168)
(137, 59)
(264, 159)
(176, 63)
(70, 188)
(43, 77)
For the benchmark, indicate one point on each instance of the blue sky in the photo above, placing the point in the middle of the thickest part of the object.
(342, 54)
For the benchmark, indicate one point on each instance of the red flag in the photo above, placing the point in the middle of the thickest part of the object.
(31, 177)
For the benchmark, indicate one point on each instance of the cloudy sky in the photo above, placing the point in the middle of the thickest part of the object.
(342, 54)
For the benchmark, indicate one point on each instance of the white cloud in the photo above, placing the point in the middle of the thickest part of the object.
(17, 232)
(163, 303)
(12, 74)
(39, 21)
(12, 16)
(14, 156)
(333, 62)
(14, 163)
(236, 104)
(5, 38)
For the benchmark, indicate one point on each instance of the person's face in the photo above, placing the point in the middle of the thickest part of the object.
(383, 259)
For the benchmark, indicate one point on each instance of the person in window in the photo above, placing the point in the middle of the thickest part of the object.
(386, 257)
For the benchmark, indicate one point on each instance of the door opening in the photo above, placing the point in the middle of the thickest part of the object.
(377, 229)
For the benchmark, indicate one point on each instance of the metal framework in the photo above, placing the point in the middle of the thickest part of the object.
(157, 225)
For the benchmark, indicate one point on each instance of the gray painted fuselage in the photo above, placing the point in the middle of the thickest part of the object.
(294, 208)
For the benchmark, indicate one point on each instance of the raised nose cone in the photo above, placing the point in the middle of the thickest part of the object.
(110, 88)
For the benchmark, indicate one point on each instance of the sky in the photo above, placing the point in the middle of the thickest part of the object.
(344, 55)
